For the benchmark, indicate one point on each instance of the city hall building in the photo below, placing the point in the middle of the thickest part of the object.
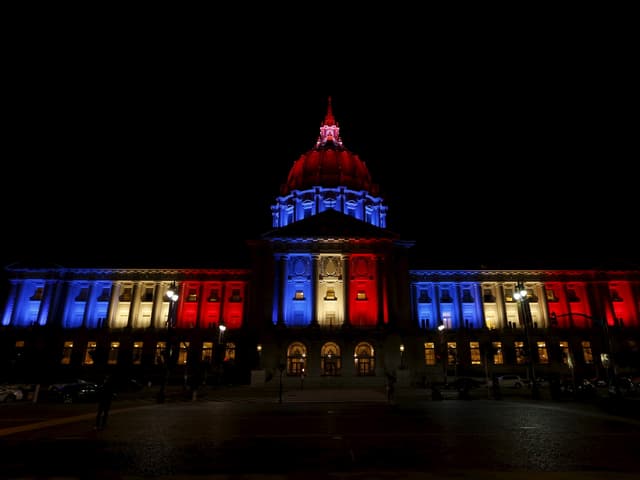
(330, 294)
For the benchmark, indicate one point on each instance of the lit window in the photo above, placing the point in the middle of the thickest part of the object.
(229, 352)
(299, 295)
(159, 355)
(521, 357)
(429, 353)
(330, 295)
(214, 295)
(66, 353)
(497, 353)
(113, 353)
(207, 352)
(586, 352)
(183, 354)
(452, 353)
(89, 353)
(564, 347)
(137, 353)
(361, 296)
(475, 353)
(543, 355)
(508, 295)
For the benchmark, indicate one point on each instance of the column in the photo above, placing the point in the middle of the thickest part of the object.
(347, 290)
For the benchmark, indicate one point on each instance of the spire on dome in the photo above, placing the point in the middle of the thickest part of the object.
(329, 118)
(329, 130)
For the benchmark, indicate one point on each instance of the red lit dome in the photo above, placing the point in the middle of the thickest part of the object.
(328, 164)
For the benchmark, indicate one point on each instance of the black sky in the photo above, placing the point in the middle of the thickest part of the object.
(489, 154)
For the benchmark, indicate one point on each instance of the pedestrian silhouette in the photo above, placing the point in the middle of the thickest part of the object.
(105, 396)
(391, 386)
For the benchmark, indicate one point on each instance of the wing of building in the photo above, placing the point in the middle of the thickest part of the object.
(330, 295)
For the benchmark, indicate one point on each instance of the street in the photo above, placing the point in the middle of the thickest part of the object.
(362, 437)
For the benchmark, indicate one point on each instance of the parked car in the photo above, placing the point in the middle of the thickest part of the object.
(74, 391)
(511, 381)
(10, 393)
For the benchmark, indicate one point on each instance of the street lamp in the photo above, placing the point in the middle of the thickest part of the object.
(401, 356)
(522, 298)
(259, 350)
(172, 296)
(222, 328)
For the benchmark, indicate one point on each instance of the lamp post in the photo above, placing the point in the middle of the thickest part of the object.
(172, 296)
(401, 356)
(521, 297)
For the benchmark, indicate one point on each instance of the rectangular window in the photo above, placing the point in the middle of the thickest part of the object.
(214, 295)
(207, 352)
(83, 294)
(361, 296)
(475, 353)
(330, 295)
(521, 357)
(104, 296)
(183, 354)
(488, 296)
(498, 358)
(299, 295)
(67, 350)
(445, 296)
(89, 353)
(147, 296)
(543, 355)
(551, 296)
(159, 355)
(452, 353)
(564, 348)
(508, 295)
(235, 295)
(136, 358)
(429, 353)
(424, 297)
(586, 352)
(192, 296)
(229, 352)
(572, 296)
(113, 353)
(466, 296)
(37, 295)
(615, 297)
(126, 294)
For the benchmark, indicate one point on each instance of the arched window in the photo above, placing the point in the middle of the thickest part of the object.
(330, 359)
(364, 359)
(296, 359)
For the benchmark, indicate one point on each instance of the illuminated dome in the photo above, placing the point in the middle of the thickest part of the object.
(329, 164)
(329, 177)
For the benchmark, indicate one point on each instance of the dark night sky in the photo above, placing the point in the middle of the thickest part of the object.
(509, 156)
